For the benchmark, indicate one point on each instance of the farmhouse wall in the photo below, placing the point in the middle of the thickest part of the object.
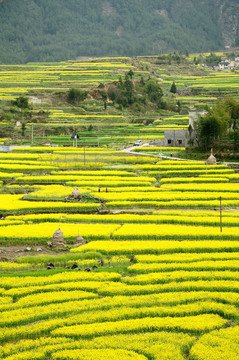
(176, 138)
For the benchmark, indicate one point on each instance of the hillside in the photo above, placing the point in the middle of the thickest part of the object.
(109, 250)
(62, 29)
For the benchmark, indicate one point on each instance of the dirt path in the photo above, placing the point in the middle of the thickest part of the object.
(131, 151)
(10, 253)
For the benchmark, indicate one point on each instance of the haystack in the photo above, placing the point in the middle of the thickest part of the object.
(211, 160)
(74, 196)
(80, 240)
(76, 193)
(58, 239)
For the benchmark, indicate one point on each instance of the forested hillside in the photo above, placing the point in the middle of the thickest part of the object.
(42, 30)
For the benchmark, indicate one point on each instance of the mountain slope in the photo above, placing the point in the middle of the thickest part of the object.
(42, 30)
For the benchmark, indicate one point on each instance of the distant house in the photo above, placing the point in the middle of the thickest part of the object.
(176, 138)
(224, 65)
(228, 64)
(182, 137)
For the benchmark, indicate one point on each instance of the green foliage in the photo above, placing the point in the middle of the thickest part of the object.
(104, 95)
(123, 93)
(22, 102)
(8, 117)
(154, 91)
(58, 29)
(232, 106)
(212, 59)
(137, 95)
(76, 95)
(214, 125)
(130, 74)
(23, 128)
(173, 88)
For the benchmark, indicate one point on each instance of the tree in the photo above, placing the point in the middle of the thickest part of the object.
(212, 59)
(23, 129)
(232, 107)
(104, 95)
(173, 88)
(213, 125)
(123, 93)
(128, 89)
(154, 91)
(22, 102)
(179, 106)
(76, 95)
(130, 74)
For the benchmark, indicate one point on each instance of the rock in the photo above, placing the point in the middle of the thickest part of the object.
(101, 262)
(50, 266)
(74, 266)
(70, 242)
(3, 259)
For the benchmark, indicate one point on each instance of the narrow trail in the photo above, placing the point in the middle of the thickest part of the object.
(131, 151)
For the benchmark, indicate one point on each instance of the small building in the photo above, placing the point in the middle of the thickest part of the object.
(183, 137)
(176, 138)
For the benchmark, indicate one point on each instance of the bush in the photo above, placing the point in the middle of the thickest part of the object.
(76, 95)
(22, 102)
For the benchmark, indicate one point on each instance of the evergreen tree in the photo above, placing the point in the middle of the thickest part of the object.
(22, 102)
(173, 88)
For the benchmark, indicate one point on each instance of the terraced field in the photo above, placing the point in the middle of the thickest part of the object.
(157, 276)
(172, 296)
(100, 123)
